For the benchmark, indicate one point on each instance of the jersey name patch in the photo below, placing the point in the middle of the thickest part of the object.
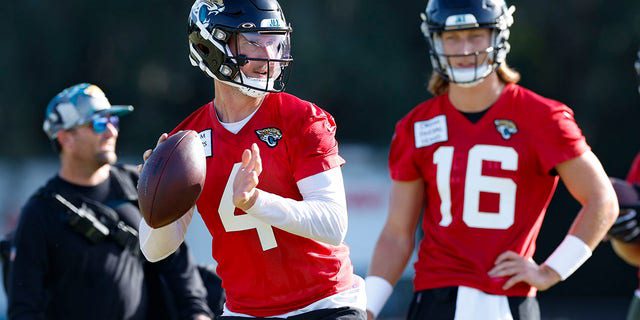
(205, 137)
(270, 136)
(430, 131)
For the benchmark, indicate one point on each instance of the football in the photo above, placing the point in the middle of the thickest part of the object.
(172, 179)
(627, 194)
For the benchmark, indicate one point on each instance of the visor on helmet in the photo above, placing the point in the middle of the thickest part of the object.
(261, 59)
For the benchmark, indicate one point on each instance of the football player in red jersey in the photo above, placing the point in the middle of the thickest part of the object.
(274, 198)
(481, 159)
(625, 233)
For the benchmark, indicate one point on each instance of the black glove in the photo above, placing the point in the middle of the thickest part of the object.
(627, 227)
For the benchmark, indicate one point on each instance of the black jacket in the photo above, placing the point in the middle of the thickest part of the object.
(57, 273)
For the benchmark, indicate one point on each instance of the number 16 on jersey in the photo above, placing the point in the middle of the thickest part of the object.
(475, 183)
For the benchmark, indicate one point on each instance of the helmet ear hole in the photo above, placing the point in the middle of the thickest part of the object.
(242, 60)
(203, 48)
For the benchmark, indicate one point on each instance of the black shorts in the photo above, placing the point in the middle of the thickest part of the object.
(345, 313)
(441, 304)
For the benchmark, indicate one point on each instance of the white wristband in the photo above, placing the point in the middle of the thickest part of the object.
(568, 256)
(378, 291)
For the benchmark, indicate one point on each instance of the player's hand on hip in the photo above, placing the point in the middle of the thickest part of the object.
(519, 269)
(244, 185)
(148, 153)
(370, 315)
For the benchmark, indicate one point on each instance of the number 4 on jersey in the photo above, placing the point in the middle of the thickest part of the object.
(475, 183)
(232, 223)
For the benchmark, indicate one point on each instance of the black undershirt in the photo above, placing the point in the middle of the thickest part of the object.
(474, 117)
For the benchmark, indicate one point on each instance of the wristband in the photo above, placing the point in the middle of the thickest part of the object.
(378, 291)
(568, 256)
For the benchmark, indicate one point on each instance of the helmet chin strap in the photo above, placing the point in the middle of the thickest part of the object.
(267, 84)
(250, 92)
(253, 93)
(469, 77)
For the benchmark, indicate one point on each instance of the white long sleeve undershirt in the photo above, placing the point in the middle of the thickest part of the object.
(157, 244)
(320, 216)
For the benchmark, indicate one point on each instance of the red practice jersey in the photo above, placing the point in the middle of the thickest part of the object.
(267, 271)
(634, 173)
(487, 185)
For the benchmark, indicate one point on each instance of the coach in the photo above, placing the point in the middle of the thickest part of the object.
(76, 253)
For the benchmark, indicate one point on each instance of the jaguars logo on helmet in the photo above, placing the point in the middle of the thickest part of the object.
(506, 128)
(270, 136)
(201, 11)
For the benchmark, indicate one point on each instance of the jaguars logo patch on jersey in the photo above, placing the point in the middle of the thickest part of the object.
(506, 128)
(270, 136)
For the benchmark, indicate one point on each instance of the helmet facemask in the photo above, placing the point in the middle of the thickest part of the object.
(258, 62)
(485, 62)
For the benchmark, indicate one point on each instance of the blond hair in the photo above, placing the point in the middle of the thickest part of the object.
(439, 85)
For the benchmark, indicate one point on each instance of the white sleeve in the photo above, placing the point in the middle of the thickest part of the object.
(321, 215)
(157, 244)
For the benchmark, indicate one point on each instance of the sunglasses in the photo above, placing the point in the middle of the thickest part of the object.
(99, 124)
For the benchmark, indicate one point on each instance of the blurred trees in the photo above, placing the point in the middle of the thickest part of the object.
(364, 61)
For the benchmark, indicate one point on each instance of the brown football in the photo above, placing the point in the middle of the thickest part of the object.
(172, 179)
